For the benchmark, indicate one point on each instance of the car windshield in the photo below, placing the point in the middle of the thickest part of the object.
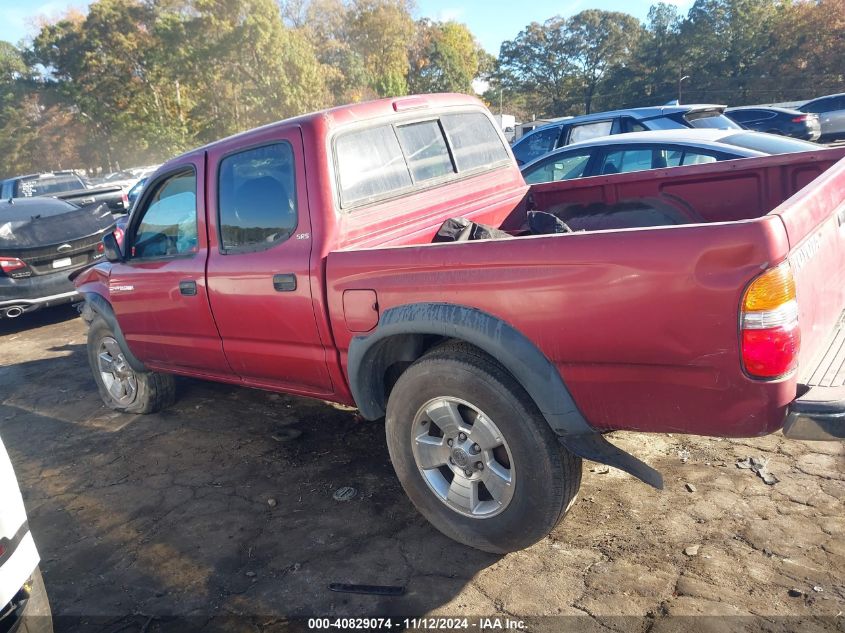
(769, 143)
(47, 185)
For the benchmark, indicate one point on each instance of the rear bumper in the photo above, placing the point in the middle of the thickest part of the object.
(819, 414)
(32, 293)
(29, 611)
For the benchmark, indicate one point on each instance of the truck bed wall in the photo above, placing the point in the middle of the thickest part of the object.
(719, 192)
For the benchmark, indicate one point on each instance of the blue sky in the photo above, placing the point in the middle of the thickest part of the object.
(491, 22)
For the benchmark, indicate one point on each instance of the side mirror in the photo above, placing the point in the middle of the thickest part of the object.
(111, 248)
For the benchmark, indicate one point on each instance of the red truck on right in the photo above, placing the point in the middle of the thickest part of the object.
(390, 256)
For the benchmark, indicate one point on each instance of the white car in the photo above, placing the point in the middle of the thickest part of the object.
(24, 607)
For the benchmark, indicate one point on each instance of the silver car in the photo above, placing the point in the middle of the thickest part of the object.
(638, 151)
(831, 111)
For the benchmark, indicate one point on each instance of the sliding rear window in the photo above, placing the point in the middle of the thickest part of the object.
(393, 159)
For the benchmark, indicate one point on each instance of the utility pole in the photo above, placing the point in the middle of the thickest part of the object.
(680, 80)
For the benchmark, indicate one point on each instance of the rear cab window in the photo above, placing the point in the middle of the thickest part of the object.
(397, 158)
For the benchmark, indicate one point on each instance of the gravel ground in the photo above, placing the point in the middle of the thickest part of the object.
(220, 512)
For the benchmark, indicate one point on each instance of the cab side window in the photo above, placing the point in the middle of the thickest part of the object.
(168, 226)
(257, 198)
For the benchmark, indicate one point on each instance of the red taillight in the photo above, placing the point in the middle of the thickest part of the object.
(771, 337)
(771, 353)
(119, 234)
(101, 248)
(9, 264)
(801, 119)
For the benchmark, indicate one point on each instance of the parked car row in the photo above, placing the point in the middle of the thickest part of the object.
(638, 151)
(67, 185)
(820, 119)
(583, 128)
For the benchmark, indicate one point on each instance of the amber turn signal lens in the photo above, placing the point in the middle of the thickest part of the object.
(771, 289)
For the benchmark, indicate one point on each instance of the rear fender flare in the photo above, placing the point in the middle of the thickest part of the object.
(394, 339)
(398, 337)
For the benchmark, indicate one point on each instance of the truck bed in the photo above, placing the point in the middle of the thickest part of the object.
(649, 313)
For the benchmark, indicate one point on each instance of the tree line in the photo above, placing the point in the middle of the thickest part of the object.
(137, 81)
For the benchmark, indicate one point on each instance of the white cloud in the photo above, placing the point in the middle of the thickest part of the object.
(450, 14)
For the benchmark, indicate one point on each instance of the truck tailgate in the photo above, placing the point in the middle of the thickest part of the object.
(815, 225)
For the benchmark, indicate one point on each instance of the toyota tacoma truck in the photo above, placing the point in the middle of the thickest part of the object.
(390, 256)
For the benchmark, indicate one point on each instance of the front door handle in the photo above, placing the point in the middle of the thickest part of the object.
(285, 282)
(188, 287)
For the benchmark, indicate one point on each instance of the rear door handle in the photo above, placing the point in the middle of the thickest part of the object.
(285, 282)
(188, 287)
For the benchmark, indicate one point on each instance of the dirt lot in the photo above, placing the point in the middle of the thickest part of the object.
(213, 509)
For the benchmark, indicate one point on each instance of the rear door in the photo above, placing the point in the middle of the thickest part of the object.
(259, 272)
(159, 293)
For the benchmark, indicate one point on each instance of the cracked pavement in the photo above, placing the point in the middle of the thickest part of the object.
(138, 518)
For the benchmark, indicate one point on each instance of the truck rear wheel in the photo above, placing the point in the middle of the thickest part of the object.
(121, 387)
(474, 454)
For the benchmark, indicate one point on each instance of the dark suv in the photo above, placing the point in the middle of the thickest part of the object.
(583, 128)
(774, 120)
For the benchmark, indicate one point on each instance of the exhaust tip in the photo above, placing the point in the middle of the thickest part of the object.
(14, 312)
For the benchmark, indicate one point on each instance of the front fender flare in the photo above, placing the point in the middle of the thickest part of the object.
(98, 304)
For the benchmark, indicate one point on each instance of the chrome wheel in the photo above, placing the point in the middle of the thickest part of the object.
(118, 377)
(463, 457)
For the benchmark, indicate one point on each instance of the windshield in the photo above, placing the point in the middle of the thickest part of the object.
(47, 185)
(769, 143)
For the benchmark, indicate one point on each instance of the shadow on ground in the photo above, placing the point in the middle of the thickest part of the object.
(220, 505)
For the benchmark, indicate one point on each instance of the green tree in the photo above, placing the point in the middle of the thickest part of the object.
(444, 58)
(235, 86)
(726, 40)
(535, 68)
(596, 42)
(379, 32)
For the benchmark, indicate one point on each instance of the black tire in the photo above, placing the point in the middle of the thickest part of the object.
(548, 475)
(154, 390)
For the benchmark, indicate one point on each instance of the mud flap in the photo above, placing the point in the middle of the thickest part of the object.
(594, 447)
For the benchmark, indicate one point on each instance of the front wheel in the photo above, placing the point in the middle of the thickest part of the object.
(474, 454)
(121, 387)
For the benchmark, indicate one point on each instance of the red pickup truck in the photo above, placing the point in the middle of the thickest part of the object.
(389, 255)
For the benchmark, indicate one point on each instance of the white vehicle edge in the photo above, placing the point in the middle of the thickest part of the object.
(24, 606)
